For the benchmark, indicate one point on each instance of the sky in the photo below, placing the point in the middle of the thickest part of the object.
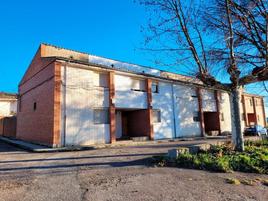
(105, 28)
(108, 28)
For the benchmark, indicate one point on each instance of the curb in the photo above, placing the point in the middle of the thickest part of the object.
(41, 149)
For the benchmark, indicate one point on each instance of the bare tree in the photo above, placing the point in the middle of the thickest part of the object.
(226, 35)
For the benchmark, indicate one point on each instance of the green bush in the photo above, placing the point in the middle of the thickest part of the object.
(224, 159)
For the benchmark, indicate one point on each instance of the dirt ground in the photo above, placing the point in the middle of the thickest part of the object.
(114, 174)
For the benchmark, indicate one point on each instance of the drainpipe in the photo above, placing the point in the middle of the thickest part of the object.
(173, 109)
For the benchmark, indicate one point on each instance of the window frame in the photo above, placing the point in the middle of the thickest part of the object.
(99, 122)
(34, 106)
(156, 84)
(196, 116)
(158, 118)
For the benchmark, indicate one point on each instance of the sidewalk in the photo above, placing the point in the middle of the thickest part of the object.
(40, 148)
(128, 143)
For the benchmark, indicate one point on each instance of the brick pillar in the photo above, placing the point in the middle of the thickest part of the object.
(149, 109)
(263, 112)
(245, 110)
(57, 105)
(112, 107)
(217, 99)
(254, 109)
(201, 112)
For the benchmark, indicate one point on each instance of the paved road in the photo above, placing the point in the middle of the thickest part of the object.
(14, 160)
(120, 173)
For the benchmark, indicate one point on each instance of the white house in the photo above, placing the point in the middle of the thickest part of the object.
(8, 104)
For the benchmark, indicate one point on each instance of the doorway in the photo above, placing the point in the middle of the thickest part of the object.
(212, 123)
(252, 119)
(132, 123)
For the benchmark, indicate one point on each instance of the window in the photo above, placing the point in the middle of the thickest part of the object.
(155, 87)
(222, 116)
(258, 102)
(250, 102)
(34, 106)
(101, 116)
(156, 116)
(138, 85)
(196, 116)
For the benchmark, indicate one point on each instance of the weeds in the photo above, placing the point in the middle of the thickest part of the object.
(224, 159)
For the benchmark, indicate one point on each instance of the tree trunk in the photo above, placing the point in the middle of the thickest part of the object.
(237, 133)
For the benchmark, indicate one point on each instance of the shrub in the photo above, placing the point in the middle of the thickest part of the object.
(225, 159)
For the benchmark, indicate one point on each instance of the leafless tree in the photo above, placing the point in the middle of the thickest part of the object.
(227, 36)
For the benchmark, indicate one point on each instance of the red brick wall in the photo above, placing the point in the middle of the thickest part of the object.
(1, 126)
(37, 64)
(8, 127)
(41, 87)
(112, 107)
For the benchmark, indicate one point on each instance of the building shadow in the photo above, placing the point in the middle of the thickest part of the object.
(116, 164)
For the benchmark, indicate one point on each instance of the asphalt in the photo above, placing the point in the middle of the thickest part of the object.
(115, 173)
(32, 147)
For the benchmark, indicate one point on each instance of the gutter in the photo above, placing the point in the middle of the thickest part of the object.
(92, 65)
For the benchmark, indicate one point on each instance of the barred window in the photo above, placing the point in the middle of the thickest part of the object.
(155, 87)
(101, 116)
(156, 116)
(196, 116)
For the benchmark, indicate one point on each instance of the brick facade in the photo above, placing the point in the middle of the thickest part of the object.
(39, 103)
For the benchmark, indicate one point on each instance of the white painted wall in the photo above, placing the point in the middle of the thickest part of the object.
(208, 101)
(163, 102)
(82, 96)
(125, 97)
(8, 107)
(225, 108)
(187, 104)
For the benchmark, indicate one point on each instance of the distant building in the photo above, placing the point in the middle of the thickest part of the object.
(72, 98)
(8, 110)
(8, 104)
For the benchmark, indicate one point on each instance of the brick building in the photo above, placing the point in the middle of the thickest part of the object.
(72, 98)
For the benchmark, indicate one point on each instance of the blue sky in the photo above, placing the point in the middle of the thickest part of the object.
(105, 28)
(109, 28)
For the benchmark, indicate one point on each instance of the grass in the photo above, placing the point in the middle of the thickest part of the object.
(233, 181)
(224, 159)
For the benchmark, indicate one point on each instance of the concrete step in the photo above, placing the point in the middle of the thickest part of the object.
(140, 139)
